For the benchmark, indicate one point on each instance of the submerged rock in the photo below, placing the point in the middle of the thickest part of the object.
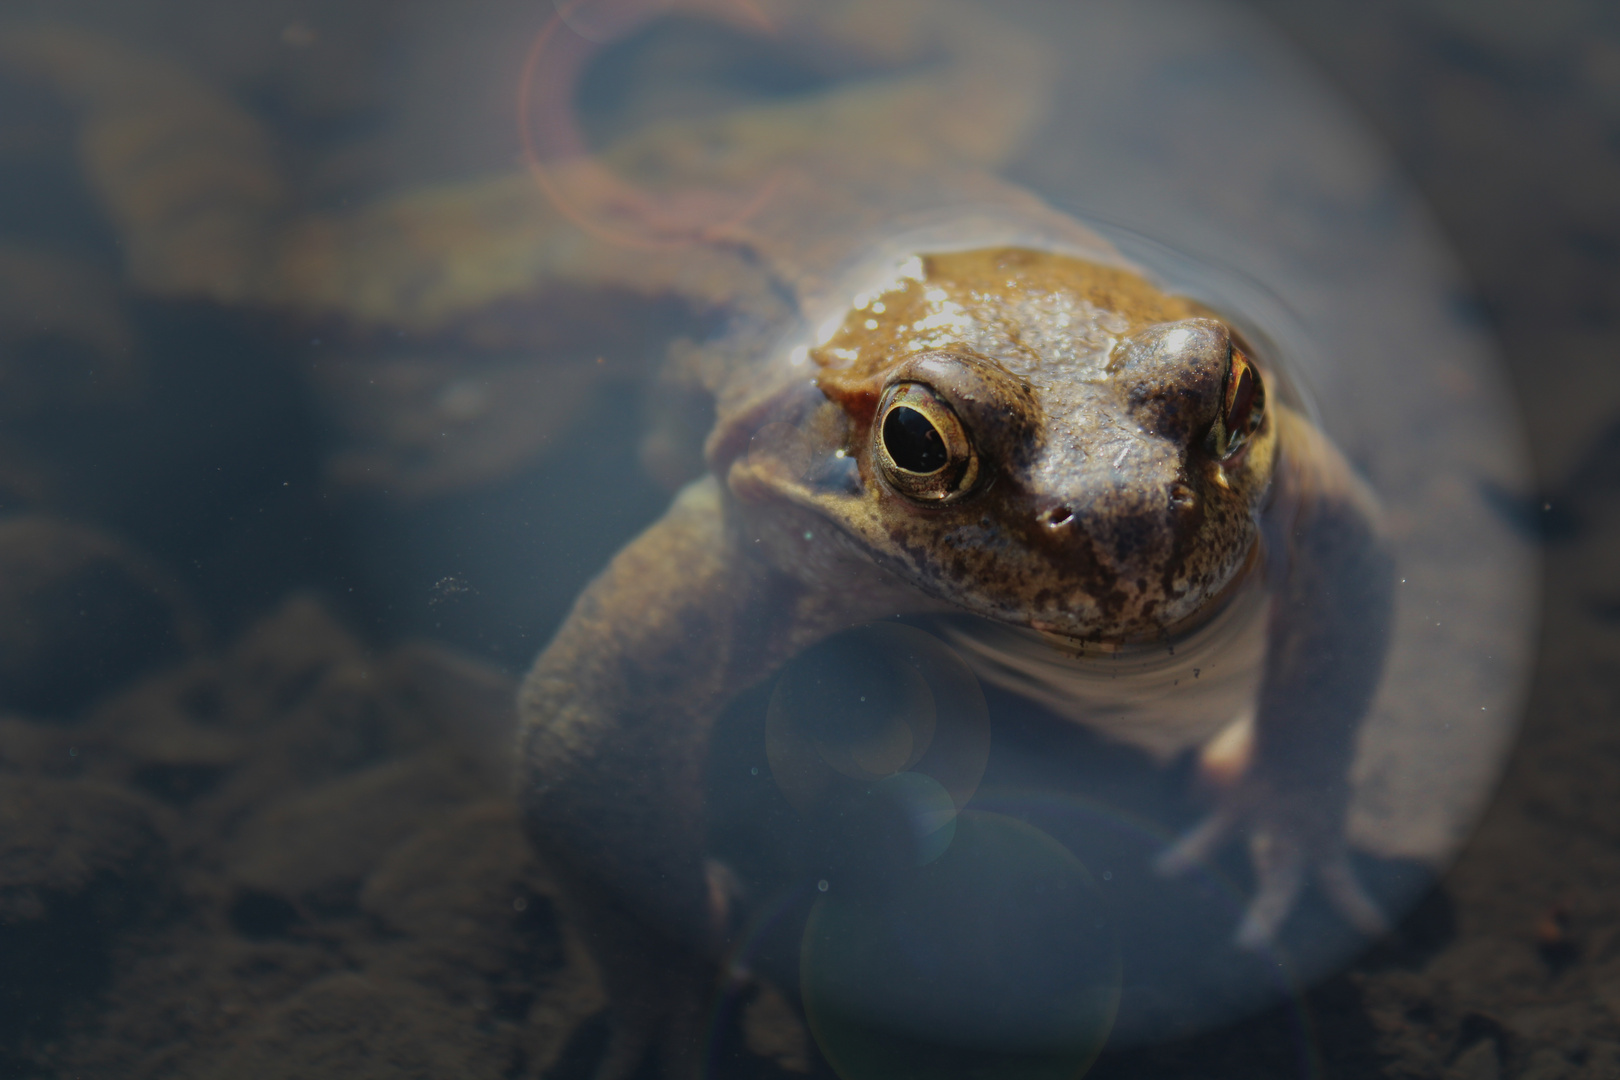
(80, 614)
(350, 1027)
(78, 863)
(313, 851)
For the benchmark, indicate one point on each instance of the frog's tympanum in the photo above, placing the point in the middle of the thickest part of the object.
(1030, 438)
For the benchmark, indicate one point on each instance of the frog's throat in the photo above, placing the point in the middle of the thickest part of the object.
(1253, 562)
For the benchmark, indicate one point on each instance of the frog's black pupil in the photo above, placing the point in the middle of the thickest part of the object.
(913, 442)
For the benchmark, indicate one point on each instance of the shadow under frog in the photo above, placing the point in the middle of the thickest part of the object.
(1028, 438)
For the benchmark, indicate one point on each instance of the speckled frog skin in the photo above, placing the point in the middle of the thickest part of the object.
(1032, 438)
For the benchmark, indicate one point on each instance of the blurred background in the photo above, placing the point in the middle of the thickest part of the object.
(284, 511)
(1505, 116)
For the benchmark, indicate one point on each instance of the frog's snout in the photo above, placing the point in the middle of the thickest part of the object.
(1098, 532)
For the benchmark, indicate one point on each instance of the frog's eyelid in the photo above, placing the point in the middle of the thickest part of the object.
(1239, 342)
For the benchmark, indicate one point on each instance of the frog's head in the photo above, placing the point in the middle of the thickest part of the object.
(1034, 438)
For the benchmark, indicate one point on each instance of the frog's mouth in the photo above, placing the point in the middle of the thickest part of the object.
(1208, 611)
(1073, 644)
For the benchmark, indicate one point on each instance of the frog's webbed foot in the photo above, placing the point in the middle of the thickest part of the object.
(672, 1029)
(655, 992)
(1291, 836)
(661, 1013)
(658, 990)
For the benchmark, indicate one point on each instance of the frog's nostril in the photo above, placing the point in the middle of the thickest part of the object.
(1057, 517)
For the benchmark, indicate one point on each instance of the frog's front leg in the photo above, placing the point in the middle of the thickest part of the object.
(1332, 603)
(617, 716)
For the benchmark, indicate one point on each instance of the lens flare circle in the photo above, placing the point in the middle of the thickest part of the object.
(1175, 936)
(873, 703)
(577, 183)
(997, 959)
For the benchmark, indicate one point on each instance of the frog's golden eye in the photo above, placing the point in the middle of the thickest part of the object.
(1243, 405)
(921, 445)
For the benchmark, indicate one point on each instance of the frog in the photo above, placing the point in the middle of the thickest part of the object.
(1018, 435)
(782, 540)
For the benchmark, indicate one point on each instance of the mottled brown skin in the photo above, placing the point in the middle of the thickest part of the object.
(1093, 492)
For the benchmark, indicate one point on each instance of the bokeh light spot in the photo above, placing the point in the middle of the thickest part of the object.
(997, 960)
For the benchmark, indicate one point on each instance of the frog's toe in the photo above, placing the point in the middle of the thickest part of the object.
(1199, 844)
(1344, 891)
(1280, 877)
(725, 896)
(1280, 867)
(1283, 859)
